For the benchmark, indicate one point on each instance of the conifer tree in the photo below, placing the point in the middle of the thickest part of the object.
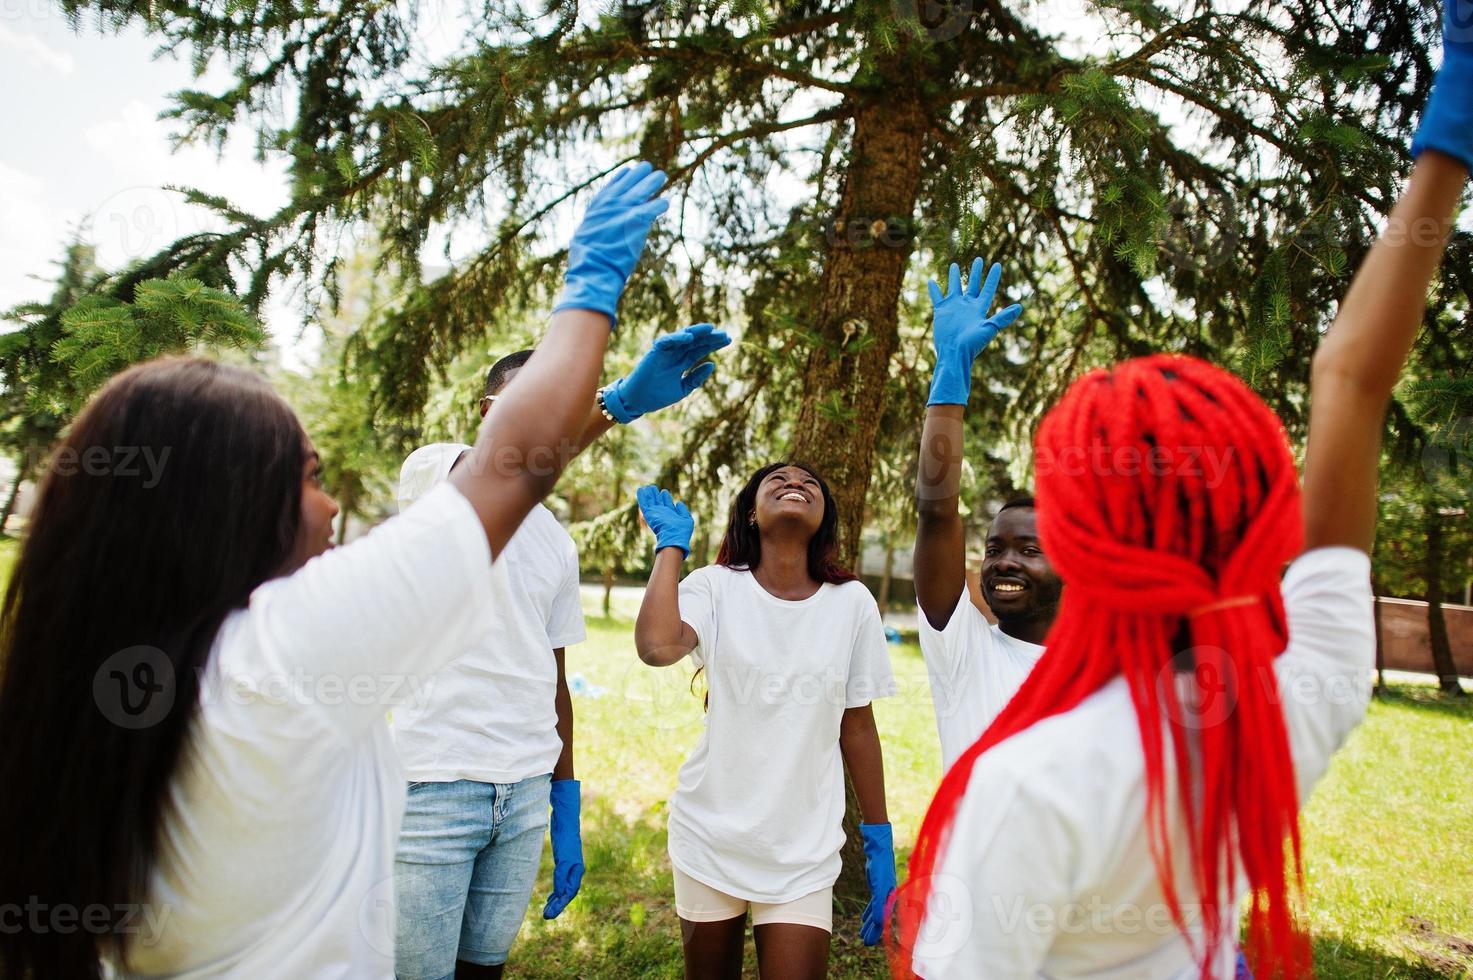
(1202, 179)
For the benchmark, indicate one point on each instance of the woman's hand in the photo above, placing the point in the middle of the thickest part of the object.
(671, 521)
(610, 238)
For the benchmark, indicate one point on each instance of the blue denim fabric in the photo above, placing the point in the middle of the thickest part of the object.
(464, 872)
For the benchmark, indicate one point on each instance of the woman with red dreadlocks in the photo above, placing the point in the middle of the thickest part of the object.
(1149, 772)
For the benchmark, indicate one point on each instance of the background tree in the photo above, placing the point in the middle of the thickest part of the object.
(69, 345)
(33, 418)
(360, 457)
(1203, 180)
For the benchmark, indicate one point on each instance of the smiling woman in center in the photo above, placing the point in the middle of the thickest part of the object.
(794, 652)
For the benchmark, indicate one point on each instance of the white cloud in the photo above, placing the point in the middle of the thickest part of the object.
(28, 224)
(36, 51)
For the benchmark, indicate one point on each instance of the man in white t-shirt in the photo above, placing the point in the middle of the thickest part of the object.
(487, 746)
(975, 667)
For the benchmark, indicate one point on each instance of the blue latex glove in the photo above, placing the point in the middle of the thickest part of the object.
(567, 847)
(666, 374)
(1447, 122)
(960, 328)
(610, 238)
(670, 521)
(879, 868)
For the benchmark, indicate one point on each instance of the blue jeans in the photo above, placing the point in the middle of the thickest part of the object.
(463, 875)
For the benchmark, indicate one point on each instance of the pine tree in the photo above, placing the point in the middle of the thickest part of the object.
(69, 345)
(1204, 179)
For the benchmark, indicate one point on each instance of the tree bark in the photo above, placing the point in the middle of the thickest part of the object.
(856, 317)
(1442, 651)
(1380, 690)
(348, 506)
(886, 576)
(22, 473)
(857, 310)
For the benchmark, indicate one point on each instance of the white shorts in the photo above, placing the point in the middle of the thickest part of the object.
(698, 902)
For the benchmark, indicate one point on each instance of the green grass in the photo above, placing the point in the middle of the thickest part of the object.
(8, 549)
(1388, 834)
(1388, 840)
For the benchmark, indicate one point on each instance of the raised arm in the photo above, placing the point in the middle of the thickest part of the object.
(524, 445)
(1360, 359)
(660, 636)
(960, 329)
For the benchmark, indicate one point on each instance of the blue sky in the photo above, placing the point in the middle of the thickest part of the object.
(83, 149)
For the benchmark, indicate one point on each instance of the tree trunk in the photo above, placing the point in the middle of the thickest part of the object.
(886, 576)
(347, 506)
(856, 315)
(1442, 651)
(616, 501)
(1380, 690)
(857, 308)
(22, 473)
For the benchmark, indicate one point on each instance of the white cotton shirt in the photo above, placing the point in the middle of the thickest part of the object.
(277, 854)
(490, 715)
(1048, 872)
(758, 809)
(975, 669)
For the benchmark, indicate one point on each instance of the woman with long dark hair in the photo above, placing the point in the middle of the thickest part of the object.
(197, 777)
(1149, 774)
(794, 652)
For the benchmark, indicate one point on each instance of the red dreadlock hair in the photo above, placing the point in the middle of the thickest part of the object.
(1205, 545)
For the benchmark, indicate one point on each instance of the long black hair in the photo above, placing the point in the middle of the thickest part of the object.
(176, 492)
(741, 546)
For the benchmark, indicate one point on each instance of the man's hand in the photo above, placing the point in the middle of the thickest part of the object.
(669, 371)
(961, 328)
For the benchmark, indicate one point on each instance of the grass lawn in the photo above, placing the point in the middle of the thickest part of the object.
(1388, 835)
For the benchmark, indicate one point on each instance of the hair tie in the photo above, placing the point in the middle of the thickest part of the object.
(1233, 602)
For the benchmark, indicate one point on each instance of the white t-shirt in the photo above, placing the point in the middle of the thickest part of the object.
(759, 806)
(975, 669)
(490, 715)
(1048, 872)
(277, 857)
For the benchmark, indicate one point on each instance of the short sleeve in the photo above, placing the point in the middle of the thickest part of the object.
(698, 611)
(364, 621)
(425, 467)
(1002, 888)
(1325, 676)
(870, 676)
(950, 651)
(565, 619)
